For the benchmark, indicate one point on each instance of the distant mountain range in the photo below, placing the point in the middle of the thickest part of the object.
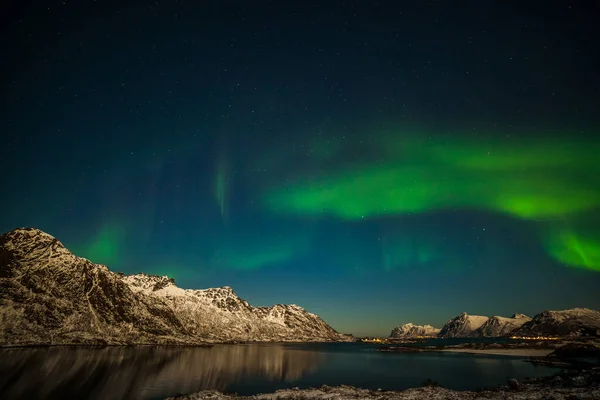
(573, 322)
(466, 325)
(50, 296)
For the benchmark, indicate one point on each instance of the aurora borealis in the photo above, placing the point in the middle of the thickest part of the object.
(531, 180)
(377, 164)
(543, 180)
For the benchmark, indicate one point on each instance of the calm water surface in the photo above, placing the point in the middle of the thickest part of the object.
(159, 372)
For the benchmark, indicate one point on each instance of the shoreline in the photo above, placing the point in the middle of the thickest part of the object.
(207, 345)
(565, 385)
(503, 352)
(98, 346)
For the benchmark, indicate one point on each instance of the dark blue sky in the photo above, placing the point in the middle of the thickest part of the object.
(373, 162)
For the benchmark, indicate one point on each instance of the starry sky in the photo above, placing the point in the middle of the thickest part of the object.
(375, 162)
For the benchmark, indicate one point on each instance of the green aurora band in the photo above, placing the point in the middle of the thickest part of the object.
(539, 180)
(575, 249)
(105, 247)
(259, 252)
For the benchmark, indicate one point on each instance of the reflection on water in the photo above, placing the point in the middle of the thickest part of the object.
(144, 372)
(158, 372)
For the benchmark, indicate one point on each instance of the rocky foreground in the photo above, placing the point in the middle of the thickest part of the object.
(570, 385)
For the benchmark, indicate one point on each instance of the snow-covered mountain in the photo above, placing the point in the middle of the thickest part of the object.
(411, 330)
(573, 322)
(219, 314)
(500, 326)
(462, 326)
(50, 296)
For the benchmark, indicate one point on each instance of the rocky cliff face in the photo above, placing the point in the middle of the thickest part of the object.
(501, 326)
(410, 330)
(573, 322)
(462, 326)
(219, 314)
(50, 296)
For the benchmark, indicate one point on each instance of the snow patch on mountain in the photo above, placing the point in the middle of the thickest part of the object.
(462, 326)
(411, 330)
(501, 326)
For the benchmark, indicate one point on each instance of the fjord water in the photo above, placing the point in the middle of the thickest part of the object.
(159, 372)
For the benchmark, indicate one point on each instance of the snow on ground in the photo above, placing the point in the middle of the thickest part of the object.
(433, 393)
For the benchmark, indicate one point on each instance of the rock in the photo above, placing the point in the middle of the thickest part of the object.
(578, 381)
(577, 351)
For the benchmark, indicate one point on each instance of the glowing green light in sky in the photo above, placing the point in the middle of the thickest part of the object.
(547, 179)
(421, 176)
(259, 250)
(574, 249)
(105, 247)
(255, 260)
(407, 249)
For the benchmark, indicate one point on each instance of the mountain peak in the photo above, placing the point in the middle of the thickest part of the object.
(412, 330)
(33, 249)
(463, 325)
(500, 326)
(223, 291)
(20, 236)
(148, 282)
(29, 231)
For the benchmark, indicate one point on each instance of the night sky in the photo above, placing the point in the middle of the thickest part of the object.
(377, 163)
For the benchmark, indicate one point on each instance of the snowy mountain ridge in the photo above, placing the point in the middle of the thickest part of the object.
(221, 299)
(500, 326)
(462, 326)
(572, 322)
(50, 296)
(410, 330)
(562, 323)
